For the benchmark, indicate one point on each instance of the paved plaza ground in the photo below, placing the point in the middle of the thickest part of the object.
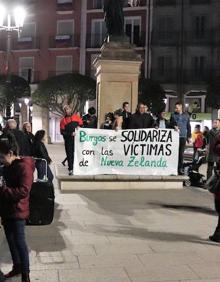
(124, 236)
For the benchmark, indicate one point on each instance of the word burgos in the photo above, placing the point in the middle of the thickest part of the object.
(84, 137)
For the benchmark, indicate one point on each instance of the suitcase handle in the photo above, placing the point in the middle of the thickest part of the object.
(44, 160)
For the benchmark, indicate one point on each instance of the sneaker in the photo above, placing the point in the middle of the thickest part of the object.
(63, 163)
(70, 172)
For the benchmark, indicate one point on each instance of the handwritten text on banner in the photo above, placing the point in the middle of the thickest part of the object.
(131, 152)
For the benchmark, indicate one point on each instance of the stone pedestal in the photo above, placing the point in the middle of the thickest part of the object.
(117, 74)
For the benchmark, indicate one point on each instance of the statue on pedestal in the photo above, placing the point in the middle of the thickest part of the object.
(114, 17)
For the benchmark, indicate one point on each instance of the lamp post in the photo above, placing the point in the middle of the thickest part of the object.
(26, 101)
(11, 19)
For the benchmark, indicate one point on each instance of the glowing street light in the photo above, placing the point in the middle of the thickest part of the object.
(18, 14)
(11, 19)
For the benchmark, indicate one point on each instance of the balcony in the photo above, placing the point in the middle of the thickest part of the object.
(65, 5)
(190, 76)
(26, 43)
(166, 2)
(191, 38)
(167, 76)
(96, 40)
(98, 4)
(64, 41)
(167, 38)
(199, 39)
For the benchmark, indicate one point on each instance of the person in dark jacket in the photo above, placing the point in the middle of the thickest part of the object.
(40, 152)
(14, 204)
(141, 119)
(90, 120)
(21, 138)
(108, 123)
(205, 136)
(68, 125)
(27, 129)
(180, 121)
(216, 235)
(126, 115)
(211, 156)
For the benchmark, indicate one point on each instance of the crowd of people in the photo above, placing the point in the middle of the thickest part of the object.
(30, 145)
(123, 119)
(21, 152)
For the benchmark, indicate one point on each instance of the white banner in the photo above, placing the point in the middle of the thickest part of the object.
(129, 152)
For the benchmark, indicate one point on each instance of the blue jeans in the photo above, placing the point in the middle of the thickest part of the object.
(41, 170)
(15, 235)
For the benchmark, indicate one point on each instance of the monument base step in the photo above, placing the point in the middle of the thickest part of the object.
(115, 182)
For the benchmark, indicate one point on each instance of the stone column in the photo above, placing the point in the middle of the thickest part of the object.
(23, 116)
(40, 120)
(117, 75)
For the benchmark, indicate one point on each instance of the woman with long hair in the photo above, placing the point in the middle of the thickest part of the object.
(40, 152)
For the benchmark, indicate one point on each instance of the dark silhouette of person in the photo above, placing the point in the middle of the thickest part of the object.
(114, 17)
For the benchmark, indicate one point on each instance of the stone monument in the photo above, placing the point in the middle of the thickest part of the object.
(118, 65)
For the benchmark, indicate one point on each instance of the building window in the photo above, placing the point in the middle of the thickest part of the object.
(97, 4)
(133, 29)
(199, 26)
(64, 64)
(65, 33)
(64, 1)
(198, 67)
(99, 33)
(164, 66)
(65, 27)
(26, 68)
(28, 32)
(165, 27)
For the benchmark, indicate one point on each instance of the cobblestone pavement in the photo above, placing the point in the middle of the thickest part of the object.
(124, 236)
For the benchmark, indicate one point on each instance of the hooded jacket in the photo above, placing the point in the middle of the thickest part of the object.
(14, 194)
(68, 124)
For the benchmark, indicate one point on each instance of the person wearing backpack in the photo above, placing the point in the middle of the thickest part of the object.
(197, 138)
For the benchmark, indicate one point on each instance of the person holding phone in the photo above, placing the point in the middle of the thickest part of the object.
(14, 204)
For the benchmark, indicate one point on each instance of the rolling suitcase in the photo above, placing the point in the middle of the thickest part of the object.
(41, 201)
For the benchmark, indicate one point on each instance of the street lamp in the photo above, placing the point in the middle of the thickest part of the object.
(26, 101)
(11, 19)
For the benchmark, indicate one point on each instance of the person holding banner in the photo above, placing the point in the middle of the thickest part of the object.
(126, 115)
(141, 119)
(118, 122)
(180, 121)
(68, 125)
